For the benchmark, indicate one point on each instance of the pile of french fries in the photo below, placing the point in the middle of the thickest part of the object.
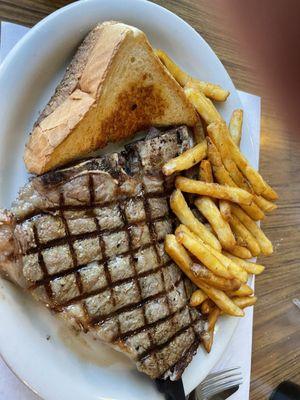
(230, 195)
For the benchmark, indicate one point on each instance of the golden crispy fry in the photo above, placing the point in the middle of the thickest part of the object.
(205, 172)
(244, 290)
(213, 154)
(253, 176)
(214, 217)
(208, 277)
(213, 316)
(199, 250)
(213, 131)
(203, 105)
(250, 267)
(235, 126)
(214, 92)
(206, 306)
(225, 209)
(185, 215)
(265, 205)
(235, 195)
(199, 133)
(243, 302)
(239, 229)
(187, 159)
(178, 253)
(269, 193)
(207, 341)
(206, 175)
(181, 77)
(209, 89)
(212, 319)
(235, 270)
(241, 252)
(222, 176)
(221, 300)
(240, 241)
(264, 243)
(183, 260)
(197, 298)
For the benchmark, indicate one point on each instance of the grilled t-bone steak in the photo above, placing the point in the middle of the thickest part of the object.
(88, 242)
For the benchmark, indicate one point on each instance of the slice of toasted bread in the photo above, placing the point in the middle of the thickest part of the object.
(114, 87)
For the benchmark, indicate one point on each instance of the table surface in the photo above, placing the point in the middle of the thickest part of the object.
(276, 350)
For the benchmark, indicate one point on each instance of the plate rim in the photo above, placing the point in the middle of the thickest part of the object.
(33, 31)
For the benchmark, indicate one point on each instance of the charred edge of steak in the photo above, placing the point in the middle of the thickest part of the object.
(177, 370)
(111, 163)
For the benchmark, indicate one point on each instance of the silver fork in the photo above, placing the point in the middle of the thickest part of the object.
(218, 383)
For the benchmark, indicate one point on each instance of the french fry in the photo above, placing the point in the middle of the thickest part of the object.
(205, 172)
(253, 176)
(212, 319)
(213, 131)
(225, 209)
(201, 252)
(213, 316)
(214, 217)
(241, 252)
(207, 341)
(222, 300)
(206, 306)
(243, 302)
(239, 229)
(235, 126)
(269, 193)
(214, 92)
(178, 254)
(197, 298)
(181, 77)
(250, 267)
(240, 241)
(235, 195)
(244, 290)
(222, 176)
(186, 160)
(209, 89)
(183, 260)
(235, 270)
(208, 277)
(264, 204)
(203, 105)
(186, 216)
(199, 133)
(264, 243)
(214, 155)
(206, 175)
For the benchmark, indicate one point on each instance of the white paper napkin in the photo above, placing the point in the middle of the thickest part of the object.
(238, 353)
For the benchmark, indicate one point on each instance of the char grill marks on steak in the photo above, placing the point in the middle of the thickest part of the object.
(89, 241)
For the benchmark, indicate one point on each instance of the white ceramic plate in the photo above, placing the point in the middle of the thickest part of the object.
(53, 364)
